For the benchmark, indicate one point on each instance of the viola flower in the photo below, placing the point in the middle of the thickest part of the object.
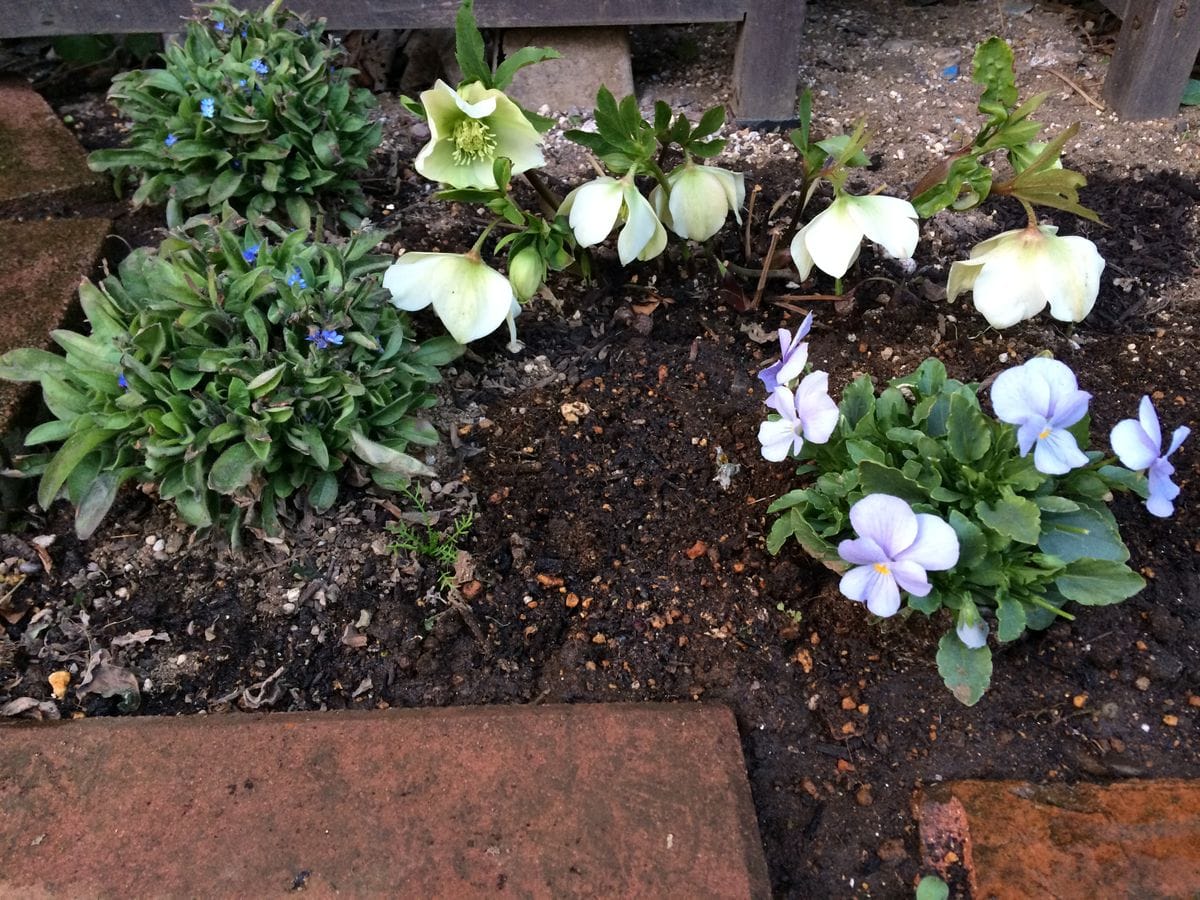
(170, 140)
(593, 209)
(832, 240)
(1138, 444)
(1014, 275)
(207, 107)
(250, 254)
(809, 414)
(1042, 398)
(699, 199)
(468, 130)
(794, 356)
(894, 549)
(325, 337)
(296, 279)
(470, 298)
(259, 67)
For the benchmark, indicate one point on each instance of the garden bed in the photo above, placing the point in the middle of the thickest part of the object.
(607, 561)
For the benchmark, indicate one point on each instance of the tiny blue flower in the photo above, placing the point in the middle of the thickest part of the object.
(243, 32)
(325, 337)
(236, 165)
(259, 66)
(170, 140)
(208, 107)
(250, 254)
(296, 279)
(219, 26)
(121, 382)
(242, 84)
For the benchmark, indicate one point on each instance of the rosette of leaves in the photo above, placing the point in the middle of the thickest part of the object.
(249, 109)
(1030, 543)
(235, 371)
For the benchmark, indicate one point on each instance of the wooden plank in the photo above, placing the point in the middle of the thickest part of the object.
(51, 17)
(766, 62)
(1155, 52)
(1116, 7)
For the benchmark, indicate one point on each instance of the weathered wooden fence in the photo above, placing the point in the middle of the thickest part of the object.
(1156, 50)
(765, 67)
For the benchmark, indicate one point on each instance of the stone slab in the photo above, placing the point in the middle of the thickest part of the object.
(1005, 840)
(645, 800)
(41, 265)
(591, 57)
(38, 154)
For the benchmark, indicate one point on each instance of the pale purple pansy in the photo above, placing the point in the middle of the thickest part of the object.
(808, 414)
(894, 549)
(1042, 398)
(1138, 444)
(793, 357)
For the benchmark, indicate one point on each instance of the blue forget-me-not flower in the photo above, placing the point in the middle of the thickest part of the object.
(325, 337)
(207, 107)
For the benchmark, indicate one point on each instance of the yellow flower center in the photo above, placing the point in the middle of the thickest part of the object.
(473, 140)
(881, 568)
(1045, 433)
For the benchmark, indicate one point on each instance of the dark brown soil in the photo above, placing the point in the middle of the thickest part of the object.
(609, 565)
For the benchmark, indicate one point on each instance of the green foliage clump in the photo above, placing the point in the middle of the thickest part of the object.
(426, 539)
(233, 369)
(249, 109)
(1029, 542)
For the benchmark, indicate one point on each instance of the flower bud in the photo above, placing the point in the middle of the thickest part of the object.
(526, 272)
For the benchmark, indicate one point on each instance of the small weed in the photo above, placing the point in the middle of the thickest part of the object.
(426, 540)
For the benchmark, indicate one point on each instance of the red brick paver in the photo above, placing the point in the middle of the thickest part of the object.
(602, 801)
(38, 155)
(41, 264)
(1016, 840)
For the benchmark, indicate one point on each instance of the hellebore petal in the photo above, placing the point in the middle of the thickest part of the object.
(699, 200)
(1018, 273)
(471, 299)
(643, 236)
(833, 238)
(469, 130)
(592, 209)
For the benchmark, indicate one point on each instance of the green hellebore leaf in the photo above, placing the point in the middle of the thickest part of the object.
(992, 67)
(966, 672)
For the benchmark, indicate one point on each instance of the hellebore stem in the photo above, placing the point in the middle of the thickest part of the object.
(475, 253)
(547, 199)
(1033, 222)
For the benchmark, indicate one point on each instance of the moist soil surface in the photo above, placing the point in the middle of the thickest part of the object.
(619, 497)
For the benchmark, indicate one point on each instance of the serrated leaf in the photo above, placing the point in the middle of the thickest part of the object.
(972, 545)
(468, 46)
(1084, 533)
(879, 479)
(967, 672)
(1010, 618)
(969, 432)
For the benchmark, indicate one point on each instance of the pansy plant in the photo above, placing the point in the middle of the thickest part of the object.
(925, 501)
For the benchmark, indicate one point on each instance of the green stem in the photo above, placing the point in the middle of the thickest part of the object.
(547, 199)
(476, 251)
(1045, 604)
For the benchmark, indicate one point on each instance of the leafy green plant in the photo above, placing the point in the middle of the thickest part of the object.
(233, 369)
(1028, 542)
(249, 108)
(426, 539)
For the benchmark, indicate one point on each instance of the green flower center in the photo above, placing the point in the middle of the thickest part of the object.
(473, 140)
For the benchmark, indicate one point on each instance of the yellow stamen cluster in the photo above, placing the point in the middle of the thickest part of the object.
(472, 140)
(881, 568)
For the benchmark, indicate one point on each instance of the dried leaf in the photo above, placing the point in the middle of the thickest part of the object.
(108, 680)
(142, 636)
(29, 708)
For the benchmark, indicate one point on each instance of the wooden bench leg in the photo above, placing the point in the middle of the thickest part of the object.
(766, 61)
(1155, 52)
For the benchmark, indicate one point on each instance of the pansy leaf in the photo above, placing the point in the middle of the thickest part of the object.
(967, 672)
(1010, 618)
(1011, 516)
(1098, 582)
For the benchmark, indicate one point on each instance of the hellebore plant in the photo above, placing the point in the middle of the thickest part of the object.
(918, 492)
(1015, 275)
(698, 199)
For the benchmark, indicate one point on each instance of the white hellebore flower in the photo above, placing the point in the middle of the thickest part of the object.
(1015, 274)
(593, 209)
(699, 200)
(468, 130)
(471, 299)
(831, 241)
